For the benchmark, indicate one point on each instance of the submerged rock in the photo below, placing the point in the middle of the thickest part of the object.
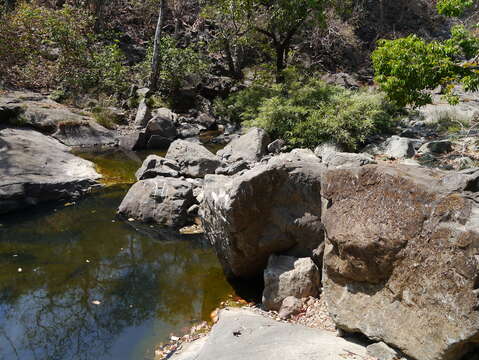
(272, 208)
(35, 168)
(160, 201)
(289, 276)
(401, 261)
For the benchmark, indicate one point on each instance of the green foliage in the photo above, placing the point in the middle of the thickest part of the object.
(453, 7)
(407, 68)
(307, 113)
(48, 48)
(179, 66)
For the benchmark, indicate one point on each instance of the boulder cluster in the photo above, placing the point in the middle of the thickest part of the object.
(392, 248)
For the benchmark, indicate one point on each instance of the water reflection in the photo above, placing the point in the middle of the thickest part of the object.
(76, 285)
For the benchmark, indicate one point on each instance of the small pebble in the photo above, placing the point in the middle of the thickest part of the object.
(96, 302)
(131, 219)
(20, 270)
(87, 261)
(175, 338)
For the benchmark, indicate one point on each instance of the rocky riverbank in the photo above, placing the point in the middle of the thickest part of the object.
(390, 246)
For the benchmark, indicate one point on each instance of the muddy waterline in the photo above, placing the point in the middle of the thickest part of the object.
(76, 283)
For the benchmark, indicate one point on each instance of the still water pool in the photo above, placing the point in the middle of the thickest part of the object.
(77, 283)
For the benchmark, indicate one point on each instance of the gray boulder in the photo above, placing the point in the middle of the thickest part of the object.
(154, 166)
(401, 262)
(399, 147)
(35, 168)
(160, 201)
(289, 307)
(137, 140)
(272, 208)
(143, 114)
(436, 147)
(84, 134)
(325, 148)
(289, 276)
(160, 131)
(36, 111)
(276, 146)
(341, 159)
(243, 334)
(381, 351)
(193, 159)
(250, 147)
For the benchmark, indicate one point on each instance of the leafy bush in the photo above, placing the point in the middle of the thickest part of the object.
(178, 66)
(307, 113)
(48, 48)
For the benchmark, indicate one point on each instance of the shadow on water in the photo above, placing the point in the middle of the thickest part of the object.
(76, 283)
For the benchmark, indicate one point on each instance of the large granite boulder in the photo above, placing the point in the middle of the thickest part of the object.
(155, 165)
(84, 134)
(289, 276)
(244, 334)
(36, 111)
(159, 201)
(35, 168)
(250, 147)
(272, 208)
(401, 261)
(193, 159)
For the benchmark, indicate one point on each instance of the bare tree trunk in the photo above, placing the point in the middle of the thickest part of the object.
(155, 64)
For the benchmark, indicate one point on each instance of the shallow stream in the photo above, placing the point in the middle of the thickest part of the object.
(77, 283)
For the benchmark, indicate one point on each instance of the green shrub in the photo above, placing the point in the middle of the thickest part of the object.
(42, 47)
(307, 113)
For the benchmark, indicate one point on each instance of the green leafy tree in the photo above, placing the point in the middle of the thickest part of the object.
(407, 68)
(277, 21)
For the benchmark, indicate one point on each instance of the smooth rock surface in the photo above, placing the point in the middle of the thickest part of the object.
(401, 261)
(272, 208)
(381, 351)
(341, 159)
(193, 159)
(289, 276)
(35, 168)
(85, 134)
(160, 201)
(250, 147)
(243, 334)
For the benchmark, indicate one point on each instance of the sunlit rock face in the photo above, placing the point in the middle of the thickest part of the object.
(35, 168)
(272, 208)
(401, 259)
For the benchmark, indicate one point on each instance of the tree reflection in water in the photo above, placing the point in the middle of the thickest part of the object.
(90, 288)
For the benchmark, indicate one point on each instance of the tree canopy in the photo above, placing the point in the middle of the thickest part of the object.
(407, 68)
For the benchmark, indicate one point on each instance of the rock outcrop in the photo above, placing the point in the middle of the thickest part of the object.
(289, 276)
(193, 159)
(401, 261)
(243, 334)
(160, 201)
(35, 168)
(250, 147)
(272, 208)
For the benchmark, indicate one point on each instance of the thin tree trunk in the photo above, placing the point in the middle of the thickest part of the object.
(155, 64)
(280, 63)
(233, 67)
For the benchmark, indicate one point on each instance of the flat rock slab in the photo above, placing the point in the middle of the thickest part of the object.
(35, 168)
(243, 334)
